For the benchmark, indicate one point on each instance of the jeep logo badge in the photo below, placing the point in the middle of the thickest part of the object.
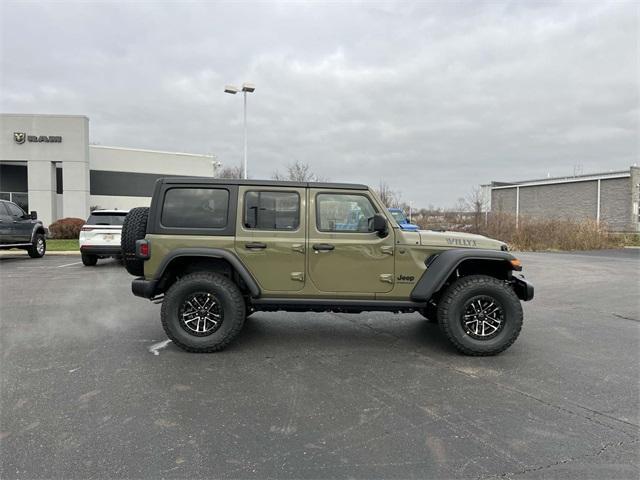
(406, 278)
(19, 137)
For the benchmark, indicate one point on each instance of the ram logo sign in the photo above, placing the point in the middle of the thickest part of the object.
(20, 137)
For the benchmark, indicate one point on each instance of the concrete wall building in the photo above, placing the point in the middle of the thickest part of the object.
(48, 165)
(611, 198)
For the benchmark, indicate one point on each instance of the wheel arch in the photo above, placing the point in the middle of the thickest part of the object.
(38, 228)
(442, 268)
(188, 260)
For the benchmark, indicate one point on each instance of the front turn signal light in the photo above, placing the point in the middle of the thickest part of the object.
(516, 264)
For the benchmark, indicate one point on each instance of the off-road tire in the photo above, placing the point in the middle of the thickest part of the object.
(430, 313)
(134, 228)
(450, 311)
(33, 249)
(230, 299)
(89, 260)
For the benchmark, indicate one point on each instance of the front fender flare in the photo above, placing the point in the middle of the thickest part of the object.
(445, 263)
(235, 262)
(37, 226)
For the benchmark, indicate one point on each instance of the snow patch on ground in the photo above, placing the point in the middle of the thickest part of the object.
(156, 347)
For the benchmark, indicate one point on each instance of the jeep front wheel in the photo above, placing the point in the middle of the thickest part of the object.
(203, 312)
(480, 315)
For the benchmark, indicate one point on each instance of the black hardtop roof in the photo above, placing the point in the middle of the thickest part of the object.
(261, 183)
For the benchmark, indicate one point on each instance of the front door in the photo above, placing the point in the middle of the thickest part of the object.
(270, 236)
(21, 224)
(6, 225)
(344, 256)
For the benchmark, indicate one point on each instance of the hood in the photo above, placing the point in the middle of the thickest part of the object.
(458, 240)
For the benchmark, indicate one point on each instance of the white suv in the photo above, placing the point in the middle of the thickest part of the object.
(100, 236)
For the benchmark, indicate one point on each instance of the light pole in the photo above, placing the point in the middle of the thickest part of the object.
(410, 208)
(246, 88)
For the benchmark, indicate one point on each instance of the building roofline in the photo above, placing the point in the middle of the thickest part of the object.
(49, 115)
(558, 180)
(144, 150)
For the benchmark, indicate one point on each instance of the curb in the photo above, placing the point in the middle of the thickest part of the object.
(18, 252)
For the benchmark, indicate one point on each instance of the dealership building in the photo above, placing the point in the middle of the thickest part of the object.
(47, 164)
(610, 198)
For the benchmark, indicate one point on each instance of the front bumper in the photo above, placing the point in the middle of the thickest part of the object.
(523, 288)
(101, 249)
(144, 288)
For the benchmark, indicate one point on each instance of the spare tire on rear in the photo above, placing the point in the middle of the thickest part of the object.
(134, 228)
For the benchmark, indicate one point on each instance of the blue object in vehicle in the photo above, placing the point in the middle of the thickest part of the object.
(399, 217)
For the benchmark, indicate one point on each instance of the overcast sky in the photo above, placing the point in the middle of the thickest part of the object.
(433, 97)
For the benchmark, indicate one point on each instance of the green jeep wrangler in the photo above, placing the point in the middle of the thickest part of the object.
(215, 251)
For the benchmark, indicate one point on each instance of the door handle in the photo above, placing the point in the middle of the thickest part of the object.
(323, 247)
(255, 246)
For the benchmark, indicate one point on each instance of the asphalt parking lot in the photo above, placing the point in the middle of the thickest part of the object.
(89, 391)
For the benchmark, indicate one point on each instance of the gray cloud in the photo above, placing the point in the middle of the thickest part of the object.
(434, 98)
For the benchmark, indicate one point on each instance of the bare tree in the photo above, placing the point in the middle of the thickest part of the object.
(231, 172)
(390, 198)
(298, 172)
(476, 203)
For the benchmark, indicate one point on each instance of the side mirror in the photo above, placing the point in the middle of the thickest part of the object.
(378, 224)
(34, 215)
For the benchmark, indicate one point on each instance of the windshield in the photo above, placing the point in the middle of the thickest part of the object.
(399, 216)
(109, 218)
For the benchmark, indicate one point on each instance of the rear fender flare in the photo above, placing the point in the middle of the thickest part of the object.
(235, 262)
(440, 268)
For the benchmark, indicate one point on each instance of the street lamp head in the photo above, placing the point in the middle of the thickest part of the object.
(230, 89)
(248, 87)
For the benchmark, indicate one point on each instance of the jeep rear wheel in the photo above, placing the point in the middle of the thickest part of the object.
(480, 315)
(134, 228)
(203, 312)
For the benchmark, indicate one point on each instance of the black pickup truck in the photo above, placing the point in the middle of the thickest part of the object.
(21, 230)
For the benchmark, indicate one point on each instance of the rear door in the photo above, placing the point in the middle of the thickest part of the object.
(344, 256)
(270, 236)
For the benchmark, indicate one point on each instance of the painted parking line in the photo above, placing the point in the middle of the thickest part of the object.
(69, 264)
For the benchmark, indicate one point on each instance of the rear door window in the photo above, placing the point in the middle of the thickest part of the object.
(195, 208)
(270, 210)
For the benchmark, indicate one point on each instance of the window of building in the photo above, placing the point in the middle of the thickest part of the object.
(338, 212)
(266, 210)
(195, 208)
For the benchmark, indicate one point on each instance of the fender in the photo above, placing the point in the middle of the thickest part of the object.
(211, 253)
(445, 263)
(37, 226)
